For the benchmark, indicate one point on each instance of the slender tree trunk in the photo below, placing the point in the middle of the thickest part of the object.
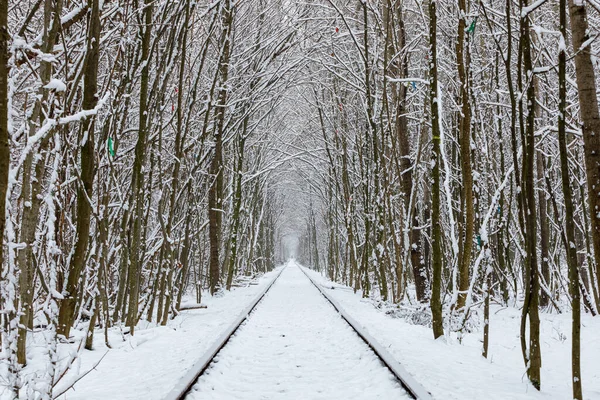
(590, 116)
(236, 217)
(34, 168)
(570, 249)
(486, 313)
(4, 142)
(406, 165)
(215, 193)
(531, 354)
(89, 339)
(502, 224)
(348, 215)
(544, 228)
(179, 139)
(462, 55)
(436, 236)
(185, 253)
(540, 161)
(103, 245)
(85, 187)
(137, 177)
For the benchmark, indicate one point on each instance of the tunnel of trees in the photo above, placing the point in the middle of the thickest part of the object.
(438, 154)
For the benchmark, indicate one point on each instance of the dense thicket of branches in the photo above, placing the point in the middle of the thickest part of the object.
(120, 117)
(458, 171)
(424, 152)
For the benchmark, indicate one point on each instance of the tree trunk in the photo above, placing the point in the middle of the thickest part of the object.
(185, 254)
(236, 217)
(570, 247)
(137, 177)
(544, 228)
(34, 168)
(462, 55)
(179, 139)
(4, 142)
(85, 187)
(215, 193)
(532, 355)
(436, 237)
(590, 116)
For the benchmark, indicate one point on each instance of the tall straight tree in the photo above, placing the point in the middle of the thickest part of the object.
(380, 256)
(436, 227)
(85, 186)
(569, 241)
(215, 192)
(237, 199)
(137, 176)
(531, 354)
(464, 126)
(590, 116)
(34, 171)
(4, 144)
(179, 139)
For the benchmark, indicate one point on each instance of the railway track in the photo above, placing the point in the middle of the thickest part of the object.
(407, 381)
(185, 384)
(291, 344)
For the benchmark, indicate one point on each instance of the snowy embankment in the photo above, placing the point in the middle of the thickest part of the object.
(148, 365)
(450, 370)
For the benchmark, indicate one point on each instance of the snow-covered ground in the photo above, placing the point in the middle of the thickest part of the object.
(450, 370)
(149, 365)
(296, 346)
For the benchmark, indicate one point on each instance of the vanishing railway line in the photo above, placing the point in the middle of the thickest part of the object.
(295, 345)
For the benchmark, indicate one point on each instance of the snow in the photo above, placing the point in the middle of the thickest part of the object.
(453, 371)
(448, 174)
(78, 116)
(408, 382)
(56, 84)
(70, 15)
(525, 11)
(295, 346)
(150, 364)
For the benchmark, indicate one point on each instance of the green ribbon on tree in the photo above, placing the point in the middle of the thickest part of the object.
(111, 148)
(471, 28)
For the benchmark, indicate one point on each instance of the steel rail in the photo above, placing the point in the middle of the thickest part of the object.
(414, 388)
(185, 384)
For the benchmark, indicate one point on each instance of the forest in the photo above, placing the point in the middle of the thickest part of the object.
(438, 156)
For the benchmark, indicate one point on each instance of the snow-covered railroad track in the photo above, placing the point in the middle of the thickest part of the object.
(185, 384)
(296, 346)
(408, 382)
